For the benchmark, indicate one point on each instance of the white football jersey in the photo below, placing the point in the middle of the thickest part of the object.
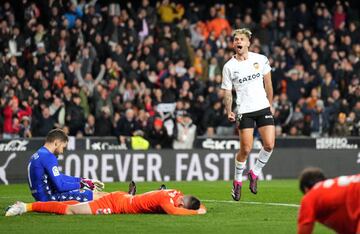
(247, 77)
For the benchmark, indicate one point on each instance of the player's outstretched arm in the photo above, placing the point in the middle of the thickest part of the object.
(61, 184)
(306, 217)
(172, 210)
(71, 179)
(305, 228)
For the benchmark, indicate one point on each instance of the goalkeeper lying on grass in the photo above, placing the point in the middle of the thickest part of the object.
(48, 184)
(166, 201)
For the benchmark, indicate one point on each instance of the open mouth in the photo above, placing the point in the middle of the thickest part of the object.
(239, 47)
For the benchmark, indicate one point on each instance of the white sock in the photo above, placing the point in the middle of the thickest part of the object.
(261, 161)
(239, 169)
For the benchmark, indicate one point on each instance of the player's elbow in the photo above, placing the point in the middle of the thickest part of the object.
(59, 187)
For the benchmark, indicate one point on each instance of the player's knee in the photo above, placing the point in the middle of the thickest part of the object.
(246, 150)
(69, 211)
(268, 147)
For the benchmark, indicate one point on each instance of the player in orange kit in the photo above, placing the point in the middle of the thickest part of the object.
(167, 201)
(332, 202)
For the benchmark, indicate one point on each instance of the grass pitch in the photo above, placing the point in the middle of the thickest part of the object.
(254, 214)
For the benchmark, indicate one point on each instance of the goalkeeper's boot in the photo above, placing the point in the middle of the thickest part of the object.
(162, 187)
(253, 182)
(236, 190)
(17, 209)
(132, 188)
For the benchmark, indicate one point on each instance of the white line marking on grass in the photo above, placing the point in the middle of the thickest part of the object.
(214, 201)
(255, 203)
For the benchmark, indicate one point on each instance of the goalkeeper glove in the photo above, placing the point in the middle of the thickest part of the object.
(92, 184)
(87, 184)
(99, 186)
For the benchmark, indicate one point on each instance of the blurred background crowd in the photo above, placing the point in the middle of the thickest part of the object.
(153, 68)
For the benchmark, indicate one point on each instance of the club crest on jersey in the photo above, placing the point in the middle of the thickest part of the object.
(256, 66)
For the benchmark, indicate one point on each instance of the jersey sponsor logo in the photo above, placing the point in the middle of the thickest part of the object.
(248, 78)
(103, 211)
(172, 194)
(35, 156)
(55, 171)
(268, 116)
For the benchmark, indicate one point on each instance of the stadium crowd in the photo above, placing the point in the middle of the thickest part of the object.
(123, 69)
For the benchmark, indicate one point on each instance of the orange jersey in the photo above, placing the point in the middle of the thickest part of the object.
(159, 201)
(334, 203)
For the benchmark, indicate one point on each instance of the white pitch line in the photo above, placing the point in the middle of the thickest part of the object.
(255, 203)
(214, 201)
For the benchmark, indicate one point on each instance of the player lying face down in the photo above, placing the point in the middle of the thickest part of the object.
(163, 201)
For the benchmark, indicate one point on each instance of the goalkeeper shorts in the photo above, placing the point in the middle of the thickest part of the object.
(112, 203)
(80, 195)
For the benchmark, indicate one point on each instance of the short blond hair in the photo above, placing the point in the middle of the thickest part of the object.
(244, 31)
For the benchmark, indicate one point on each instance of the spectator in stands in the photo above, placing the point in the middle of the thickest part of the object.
(89, 129)
(185, 133)
(341, 129)
(157, 135)
(103, 123)
(294, 86)
(319, 119)
(12, 117)
(75, 116)
(219, 23)
(44, 122)
(127, 124)
(169, 11)
(89, 82)
(164, 52)
(284, 112)
(25, 127)
(212, 117)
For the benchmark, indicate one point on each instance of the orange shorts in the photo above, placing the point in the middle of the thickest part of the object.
(108, 204)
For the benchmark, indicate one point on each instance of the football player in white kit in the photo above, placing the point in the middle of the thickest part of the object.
(249, 74)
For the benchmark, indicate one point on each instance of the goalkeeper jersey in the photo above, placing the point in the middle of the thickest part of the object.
(334, 203)
(159, 201)
(44, 177)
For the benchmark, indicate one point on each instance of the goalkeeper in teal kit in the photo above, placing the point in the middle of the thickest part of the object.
(48, 184)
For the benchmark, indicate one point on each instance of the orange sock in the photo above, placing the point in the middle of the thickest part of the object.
(49, 207)
(29, 207)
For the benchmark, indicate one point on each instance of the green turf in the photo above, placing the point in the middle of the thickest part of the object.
(222, 217)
